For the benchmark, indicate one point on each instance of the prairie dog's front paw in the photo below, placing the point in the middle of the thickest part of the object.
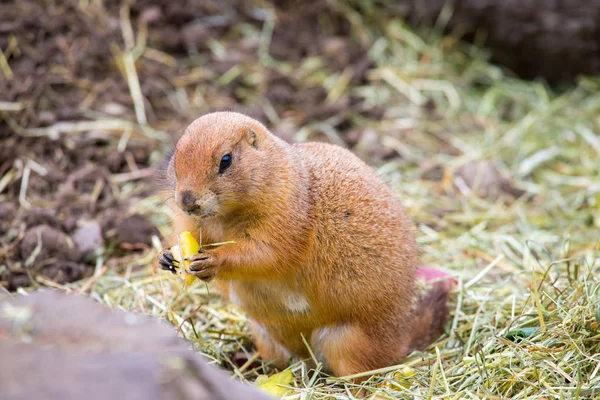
(167, 261)
(203, 266)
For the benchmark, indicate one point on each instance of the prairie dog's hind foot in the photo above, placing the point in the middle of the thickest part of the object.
(270, 350)
(347, 349)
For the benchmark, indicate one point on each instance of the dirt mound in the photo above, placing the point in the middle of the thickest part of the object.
(553, 39)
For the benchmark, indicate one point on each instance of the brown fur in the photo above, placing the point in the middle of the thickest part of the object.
(314, 227)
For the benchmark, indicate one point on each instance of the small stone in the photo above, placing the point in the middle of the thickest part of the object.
(114, 109)
(88, 237)
(484, 179)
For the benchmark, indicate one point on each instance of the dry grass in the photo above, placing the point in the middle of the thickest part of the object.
(525, 263)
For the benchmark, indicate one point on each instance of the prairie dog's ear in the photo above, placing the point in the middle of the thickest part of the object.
(251, 137)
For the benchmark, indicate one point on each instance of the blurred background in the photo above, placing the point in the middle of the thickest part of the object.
(482, 114)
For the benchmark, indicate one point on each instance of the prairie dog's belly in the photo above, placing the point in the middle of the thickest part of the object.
(278, 308)
(262, 298)
(285, 315)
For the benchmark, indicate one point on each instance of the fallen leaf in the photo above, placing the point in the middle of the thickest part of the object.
(277, 385)
(516, 334)
(401, 377)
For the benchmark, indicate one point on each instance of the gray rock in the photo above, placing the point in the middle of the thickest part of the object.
(88, 237)
(58, 346)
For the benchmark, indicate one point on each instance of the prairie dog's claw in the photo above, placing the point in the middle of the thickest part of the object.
(168, 262)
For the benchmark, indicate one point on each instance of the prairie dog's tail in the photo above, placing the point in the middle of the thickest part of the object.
(432, 311)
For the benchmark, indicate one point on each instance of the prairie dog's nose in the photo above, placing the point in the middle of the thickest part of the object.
(188, 202)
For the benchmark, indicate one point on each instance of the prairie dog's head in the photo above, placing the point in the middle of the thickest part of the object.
(222, 164)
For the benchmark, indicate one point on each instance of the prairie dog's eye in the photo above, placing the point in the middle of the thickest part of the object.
(225, 162)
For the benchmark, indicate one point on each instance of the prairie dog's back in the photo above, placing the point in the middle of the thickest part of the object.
(360, 228)
(351, 195)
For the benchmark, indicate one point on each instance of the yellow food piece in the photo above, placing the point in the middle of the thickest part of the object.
(187, 247)
(275, 384)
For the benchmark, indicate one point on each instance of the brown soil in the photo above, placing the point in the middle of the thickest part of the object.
(66, 67)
